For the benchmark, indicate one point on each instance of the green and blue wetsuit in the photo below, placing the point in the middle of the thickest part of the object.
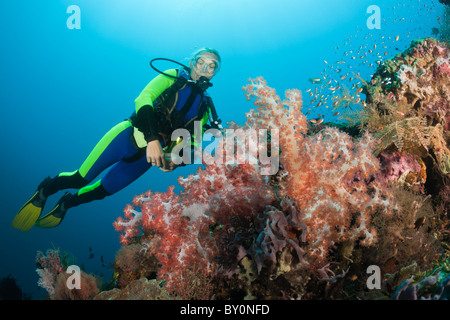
(124, 146)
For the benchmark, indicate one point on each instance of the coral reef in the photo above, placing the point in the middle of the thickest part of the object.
(433, 284)
(331, 178)
(54, 278)
(180, 229)
(140, 289)
(336, 205)
(48, 268)
(340, 201)
(403, 169)
(408, 111)
(408, 103)
(132, 263)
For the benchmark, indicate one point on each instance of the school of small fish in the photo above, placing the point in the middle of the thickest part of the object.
(341, 87)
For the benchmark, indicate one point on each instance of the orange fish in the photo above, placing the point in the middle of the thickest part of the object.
(390, 95)
(319, 121)
(313, 120)
(419, 222)
(336, 114)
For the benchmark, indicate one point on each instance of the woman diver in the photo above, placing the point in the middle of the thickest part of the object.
(173, 99)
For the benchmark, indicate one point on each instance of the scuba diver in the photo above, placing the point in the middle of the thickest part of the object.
(173, 99)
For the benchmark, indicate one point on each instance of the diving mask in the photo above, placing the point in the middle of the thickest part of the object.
(206, 64)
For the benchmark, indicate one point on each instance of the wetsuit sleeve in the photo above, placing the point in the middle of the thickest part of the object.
(145, 114)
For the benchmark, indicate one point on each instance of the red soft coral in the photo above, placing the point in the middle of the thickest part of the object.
(182, 222)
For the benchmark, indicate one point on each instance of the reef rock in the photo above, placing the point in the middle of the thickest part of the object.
(141, 289)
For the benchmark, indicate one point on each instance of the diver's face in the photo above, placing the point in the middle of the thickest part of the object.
(205, 65)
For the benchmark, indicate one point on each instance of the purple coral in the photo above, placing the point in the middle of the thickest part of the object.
(396, 164)
(273, 227)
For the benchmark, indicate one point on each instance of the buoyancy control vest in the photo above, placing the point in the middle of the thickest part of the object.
(178, 107)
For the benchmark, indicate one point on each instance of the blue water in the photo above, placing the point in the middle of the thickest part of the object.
(61, 89)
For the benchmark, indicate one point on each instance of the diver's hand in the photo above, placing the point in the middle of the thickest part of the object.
(155, 154)
(170, 166)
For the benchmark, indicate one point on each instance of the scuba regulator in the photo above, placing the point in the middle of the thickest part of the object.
(203, 82)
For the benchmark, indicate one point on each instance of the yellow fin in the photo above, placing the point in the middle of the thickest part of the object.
(27, 216)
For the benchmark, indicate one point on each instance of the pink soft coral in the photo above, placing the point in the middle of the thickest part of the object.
(49, 267)
(332, 178)
(53, 278)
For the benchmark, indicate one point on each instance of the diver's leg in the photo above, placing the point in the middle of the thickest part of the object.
(114, 145)
(117, 178)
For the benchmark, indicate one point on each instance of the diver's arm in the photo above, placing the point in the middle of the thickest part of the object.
(146, 120)
(145, 114)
